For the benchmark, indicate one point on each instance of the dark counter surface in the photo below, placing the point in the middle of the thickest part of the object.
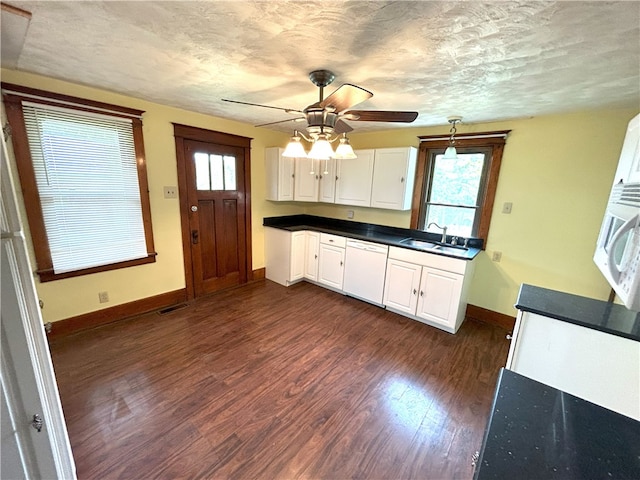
(392, 236)
(586, 312)
(538, 432)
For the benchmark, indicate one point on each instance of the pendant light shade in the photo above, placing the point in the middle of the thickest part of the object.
(344, 149)
(321, 148)
(295, 149)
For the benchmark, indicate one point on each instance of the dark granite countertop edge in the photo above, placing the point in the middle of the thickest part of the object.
(583, 311)
(517, 444)
(382, 234)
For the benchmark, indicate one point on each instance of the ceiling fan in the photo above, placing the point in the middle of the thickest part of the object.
(328, 115)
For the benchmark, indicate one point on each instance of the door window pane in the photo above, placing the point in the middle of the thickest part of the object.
(215, 172)
(202, 171)
(217, 178)
(229, 173)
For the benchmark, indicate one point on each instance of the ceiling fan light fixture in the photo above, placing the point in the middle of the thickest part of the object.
(321, 148)
(451, 153)
(294, 148)
(344, 149)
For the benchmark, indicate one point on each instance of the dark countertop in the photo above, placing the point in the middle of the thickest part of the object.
(586, 312)
(367, 231)
(538, 432)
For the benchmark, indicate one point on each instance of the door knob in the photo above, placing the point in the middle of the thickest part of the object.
(194, 208)
(37, 422)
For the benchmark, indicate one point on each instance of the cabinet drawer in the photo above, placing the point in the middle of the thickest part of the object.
(330, 239)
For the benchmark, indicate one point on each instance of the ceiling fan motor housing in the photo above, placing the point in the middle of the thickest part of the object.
(319, 120)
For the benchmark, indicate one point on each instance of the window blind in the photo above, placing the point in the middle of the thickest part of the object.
(87, 178)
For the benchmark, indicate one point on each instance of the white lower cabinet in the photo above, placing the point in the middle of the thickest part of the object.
(331, 261)
(284, 255)
(427, 287)
(401, 286)
(312, 246)
(599, 367)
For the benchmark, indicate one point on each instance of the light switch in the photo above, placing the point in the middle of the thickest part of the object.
(506, 207)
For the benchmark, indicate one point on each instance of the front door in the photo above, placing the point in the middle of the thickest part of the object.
(215, 192)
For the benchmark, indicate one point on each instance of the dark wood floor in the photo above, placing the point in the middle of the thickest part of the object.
(270, 382)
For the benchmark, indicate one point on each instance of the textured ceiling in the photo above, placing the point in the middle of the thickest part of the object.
(484, 61)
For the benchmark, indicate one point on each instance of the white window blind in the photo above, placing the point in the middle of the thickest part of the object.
(86, 172)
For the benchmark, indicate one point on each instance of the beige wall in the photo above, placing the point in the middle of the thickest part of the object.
(70, 297)
(556, 170)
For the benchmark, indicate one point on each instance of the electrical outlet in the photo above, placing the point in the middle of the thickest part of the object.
(497, 256)
(349, 213)
(506, 207)
(170, 192)
(103, 297)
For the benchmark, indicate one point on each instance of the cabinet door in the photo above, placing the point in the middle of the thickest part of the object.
(331, 266)
(353, 186)
(311, 256)
(401, 286)
(393, 177)
(327, 187)
(306, 180)
(297, 255)
(279, 172)
(439, 298)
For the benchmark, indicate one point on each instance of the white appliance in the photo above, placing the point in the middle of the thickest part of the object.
(364, 270)
(618, 249)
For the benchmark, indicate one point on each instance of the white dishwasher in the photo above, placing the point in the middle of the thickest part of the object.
(365, 266)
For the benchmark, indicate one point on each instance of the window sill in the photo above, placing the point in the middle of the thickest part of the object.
(49, 275)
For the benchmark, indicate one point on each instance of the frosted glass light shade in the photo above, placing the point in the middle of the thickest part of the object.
(321, 149)
(294, 148)
(344, 150)
(450, 153)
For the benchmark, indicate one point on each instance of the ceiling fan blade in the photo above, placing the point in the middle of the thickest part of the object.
(297, 119)
(342, 127)
(345, 97)
(380, 116)
(288, 110)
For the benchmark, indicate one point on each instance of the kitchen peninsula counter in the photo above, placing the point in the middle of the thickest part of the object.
(538, 432)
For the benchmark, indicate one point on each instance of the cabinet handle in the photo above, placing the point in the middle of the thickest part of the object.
(293, 175)
(421, 293)
(317, 177)
(340, 262)
(402, 180)
(336, 177)
(415, 292)
(315, 257)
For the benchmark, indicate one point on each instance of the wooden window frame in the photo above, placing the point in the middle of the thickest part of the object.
(13, 96)
(494, 140)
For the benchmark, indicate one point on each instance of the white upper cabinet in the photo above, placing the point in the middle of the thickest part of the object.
(353, 185)
(327, 187)
(306, 180)
(279, 172)
(393, 178)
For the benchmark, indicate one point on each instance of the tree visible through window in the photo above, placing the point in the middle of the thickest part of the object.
(457, 194)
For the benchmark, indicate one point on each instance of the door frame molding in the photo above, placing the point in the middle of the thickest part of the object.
(186, 132)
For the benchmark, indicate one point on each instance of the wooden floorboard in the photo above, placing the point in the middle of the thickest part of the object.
(264, 381)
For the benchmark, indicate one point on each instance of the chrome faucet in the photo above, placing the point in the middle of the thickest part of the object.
(444, 231)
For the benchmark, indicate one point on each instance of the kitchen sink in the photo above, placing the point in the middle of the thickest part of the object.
(414, 242)
(438, 247)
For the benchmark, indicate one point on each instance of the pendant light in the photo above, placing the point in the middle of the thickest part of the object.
(450, 153)
(295, 149)
(344, 149)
